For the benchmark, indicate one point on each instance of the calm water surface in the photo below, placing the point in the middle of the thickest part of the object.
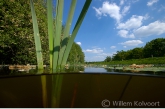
(92, 69)
(73, 69)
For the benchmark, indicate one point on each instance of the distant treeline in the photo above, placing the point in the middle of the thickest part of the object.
(152, 53)
(155, 60)
(154, 48)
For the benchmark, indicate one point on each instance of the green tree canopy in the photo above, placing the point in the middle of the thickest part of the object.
(155, 48)
(76, 55)
(107, 59)
(16, 31)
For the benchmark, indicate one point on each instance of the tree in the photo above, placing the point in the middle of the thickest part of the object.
(121, 55)
(16, 31)
(107, 59)
(16, 42)
(155, 48)
(137, 53)
(76, 55)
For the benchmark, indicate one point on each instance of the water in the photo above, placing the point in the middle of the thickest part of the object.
(88, 87)
(78, 69)
(92, 69)
(86, 90)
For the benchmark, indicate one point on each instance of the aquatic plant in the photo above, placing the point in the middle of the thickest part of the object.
(36, 37)
(59, 44)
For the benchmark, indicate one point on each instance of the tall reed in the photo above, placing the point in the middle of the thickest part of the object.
(67, 30)
(36, 37)
(50, 29)
(75, 30)
(58, 28)
(59, 46)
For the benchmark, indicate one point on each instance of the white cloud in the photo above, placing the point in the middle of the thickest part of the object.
(162, 8)
(125, 46)
(105, 54)
(124, 34)
(125, 10)
(132, 23)
(155, 28)
(112, 47)
(79, 43)
(134, 1)
(131, 43)
(110, 9)
(98, 57)
(95, 58)
(95, 50)
(151, 2)
(121, 2)
(146, 17)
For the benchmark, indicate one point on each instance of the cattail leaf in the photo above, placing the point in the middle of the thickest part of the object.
(50, 29)
(36, 37)
(66, 31)
(58, 28)
(75, 30)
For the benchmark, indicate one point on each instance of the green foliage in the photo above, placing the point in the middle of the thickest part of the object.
(36, 37)
(108, 59)
(50, 29)
(154, 60)
(75, 30)
(152, 53)
(154, 48)
(16, 31)
(65, 31)
(57, 36)
(76, 55)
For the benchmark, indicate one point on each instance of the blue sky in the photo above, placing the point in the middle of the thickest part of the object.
(114, 25)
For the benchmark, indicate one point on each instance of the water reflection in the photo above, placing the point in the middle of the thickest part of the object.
(93, 69)
(79, 69)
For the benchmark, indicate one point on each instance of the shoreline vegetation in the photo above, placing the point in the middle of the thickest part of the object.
(153, 60)
(154, 64)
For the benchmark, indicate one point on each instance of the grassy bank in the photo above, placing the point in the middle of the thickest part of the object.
(154, 60)
(154, 69)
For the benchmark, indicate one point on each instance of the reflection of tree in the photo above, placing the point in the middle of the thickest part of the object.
(109, 70)
(75, 69)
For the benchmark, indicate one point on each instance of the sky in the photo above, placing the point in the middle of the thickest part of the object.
(114, 25)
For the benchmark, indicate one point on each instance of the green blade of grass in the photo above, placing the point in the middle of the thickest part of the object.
(66, 31)
(76, 28)
(50, 29)
(36, 37)
(58, 27)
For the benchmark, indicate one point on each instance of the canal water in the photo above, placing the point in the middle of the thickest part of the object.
(84, 87)
(86, 90)
(78, 69)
